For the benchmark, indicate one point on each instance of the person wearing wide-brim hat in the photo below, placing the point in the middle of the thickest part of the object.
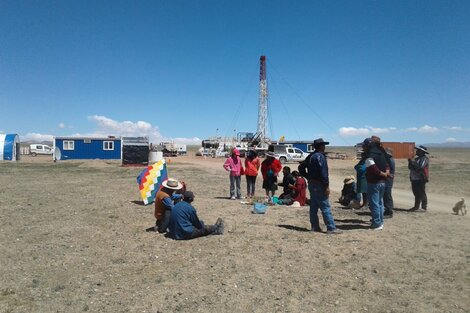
(348, 193)
(419, 176)
(164, 202)
(318, 186)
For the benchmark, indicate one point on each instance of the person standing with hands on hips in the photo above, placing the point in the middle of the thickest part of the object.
(234, 165)
(318, 186)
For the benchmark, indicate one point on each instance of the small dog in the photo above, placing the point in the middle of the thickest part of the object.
(460, 207)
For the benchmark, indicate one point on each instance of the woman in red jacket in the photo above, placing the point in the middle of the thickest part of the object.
(270, 169)
(252, 165)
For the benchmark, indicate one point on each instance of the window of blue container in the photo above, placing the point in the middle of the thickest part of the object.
(68, 145)
(108, 145)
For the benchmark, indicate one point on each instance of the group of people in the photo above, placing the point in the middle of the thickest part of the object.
(176, 216)
(373, 184)
(294, 186)
(375, 174)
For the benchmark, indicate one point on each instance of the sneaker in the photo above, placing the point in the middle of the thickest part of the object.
(413, 209)
(335, 231)
(317, 230)
(378, 227)
(388, 215)
(232, 198)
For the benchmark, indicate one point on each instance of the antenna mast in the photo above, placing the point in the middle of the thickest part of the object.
(263, 100)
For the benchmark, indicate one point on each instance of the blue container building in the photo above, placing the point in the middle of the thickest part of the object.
(305, 146)
(73, 148)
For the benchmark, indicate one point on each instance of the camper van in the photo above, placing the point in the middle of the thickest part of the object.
(36, 149)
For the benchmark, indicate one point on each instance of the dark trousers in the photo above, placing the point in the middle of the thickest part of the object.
(250, 185)
(419, 191)
(162, 224)
(388, 199)
(205, 231)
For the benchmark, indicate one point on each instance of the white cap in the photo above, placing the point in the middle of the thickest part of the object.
(369, 162)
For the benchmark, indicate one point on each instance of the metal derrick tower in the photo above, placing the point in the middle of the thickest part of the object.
(262, 100)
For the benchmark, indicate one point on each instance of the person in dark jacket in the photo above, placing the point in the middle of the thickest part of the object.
(361, 186)
(185, 224)
(348, 193)
(319, 188)
(388, 199)
(419, 176)
(287, 180)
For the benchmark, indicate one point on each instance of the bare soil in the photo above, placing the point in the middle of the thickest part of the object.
(73, 239)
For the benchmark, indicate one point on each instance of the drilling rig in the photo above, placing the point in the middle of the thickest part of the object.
(258, 141)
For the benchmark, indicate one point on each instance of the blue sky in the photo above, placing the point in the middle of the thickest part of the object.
(186, 70)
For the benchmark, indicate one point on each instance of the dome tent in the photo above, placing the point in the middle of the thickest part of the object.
(9, 147)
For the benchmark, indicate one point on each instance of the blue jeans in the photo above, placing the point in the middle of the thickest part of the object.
(235, 190)
(375, 193)
(318, 199)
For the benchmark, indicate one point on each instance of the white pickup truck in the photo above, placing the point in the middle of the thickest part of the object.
(289, 154)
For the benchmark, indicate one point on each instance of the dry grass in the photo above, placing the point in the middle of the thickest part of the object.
(73, 241)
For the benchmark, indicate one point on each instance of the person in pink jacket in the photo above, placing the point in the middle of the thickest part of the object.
(234, 165)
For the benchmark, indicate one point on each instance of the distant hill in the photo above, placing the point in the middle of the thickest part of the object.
(457, 144)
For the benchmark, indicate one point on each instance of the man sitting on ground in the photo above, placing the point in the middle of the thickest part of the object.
(164, 202)
(348, 193)
(287, 182)
(185, 224)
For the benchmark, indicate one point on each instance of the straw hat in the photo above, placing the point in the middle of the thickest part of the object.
(295, 204)
(370, 162)
(349, 180)
(172, 183)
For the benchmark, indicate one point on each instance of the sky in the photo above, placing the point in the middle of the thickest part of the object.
(186, 70)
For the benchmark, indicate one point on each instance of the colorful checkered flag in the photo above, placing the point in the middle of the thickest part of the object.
(151, 179)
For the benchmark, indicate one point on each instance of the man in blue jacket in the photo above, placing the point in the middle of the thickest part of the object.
(318, 186)
(185, 224)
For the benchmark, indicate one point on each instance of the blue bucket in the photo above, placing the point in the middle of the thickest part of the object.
(259, 208)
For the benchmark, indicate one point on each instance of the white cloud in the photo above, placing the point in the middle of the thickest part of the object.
(454, 128)
(61, 125)
(451, 139)
(377, 130)
(107, 126)
(353, 131)
(426, 129)
(36, 137)
(364, 131)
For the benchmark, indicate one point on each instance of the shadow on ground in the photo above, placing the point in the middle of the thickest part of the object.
(292, 227)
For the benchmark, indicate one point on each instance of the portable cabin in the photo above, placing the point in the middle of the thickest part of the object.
(305, 146)
(72, 148)
(135, 151)
(401, 150)
(9, 147)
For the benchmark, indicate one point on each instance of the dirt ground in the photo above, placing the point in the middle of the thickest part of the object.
(73, 239)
